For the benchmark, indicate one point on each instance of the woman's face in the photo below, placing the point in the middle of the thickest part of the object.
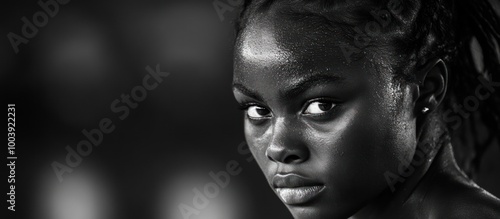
(323, 131)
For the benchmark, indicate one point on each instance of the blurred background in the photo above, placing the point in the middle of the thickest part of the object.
(65, 78)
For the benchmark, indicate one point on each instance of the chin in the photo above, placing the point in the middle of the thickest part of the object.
(320, 210)
(317, 213)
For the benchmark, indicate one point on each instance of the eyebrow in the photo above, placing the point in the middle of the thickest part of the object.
(308, 82)
(247, 92)
(295, 89)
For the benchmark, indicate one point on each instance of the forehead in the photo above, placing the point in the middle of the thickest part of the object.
(283, 49)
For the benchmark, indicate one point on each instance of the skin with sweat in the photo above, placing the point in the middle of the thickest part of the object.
(310, 113)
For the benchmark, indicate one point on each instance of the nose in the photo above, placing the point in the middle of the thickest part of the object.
(286, 145)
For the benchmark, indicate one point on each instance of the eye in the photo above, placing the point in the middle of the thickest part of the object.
(319, 107)
(257, 112)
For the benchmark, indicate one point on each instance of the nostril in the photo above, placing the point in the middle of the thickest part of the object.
(286, 155)
(269, 157)
(291, 159)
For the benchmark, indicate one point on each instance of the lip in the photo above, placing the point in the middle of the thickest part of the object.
(294, 189)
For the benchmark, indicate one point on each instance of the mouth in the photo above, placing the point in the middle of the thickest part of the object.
(296, 190)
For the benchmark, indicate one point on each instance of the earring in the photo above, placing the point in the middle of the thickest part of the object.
(425, 110)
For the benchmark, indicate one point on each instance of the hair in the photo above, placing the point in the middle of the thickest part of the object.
(463, 33)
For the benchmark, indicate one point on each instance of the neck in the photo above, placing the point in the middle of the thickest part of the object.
(433, 153)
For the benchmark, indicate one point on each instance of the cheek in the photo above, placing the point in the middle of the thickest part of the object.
(257, 138)
(359, 147)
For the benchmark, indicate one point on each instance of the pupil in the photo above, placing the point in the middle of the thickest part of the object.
(325, 106)
(262, 111)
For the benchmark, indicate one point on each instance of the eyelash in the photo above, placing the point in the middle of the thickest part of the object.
(245, 106)
(320, 99)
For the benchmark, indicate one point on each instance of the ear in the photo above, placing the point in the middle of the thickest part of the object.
(433, 81)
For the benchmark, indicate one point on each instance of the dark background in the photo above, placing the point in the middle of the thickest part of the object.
(90, 53)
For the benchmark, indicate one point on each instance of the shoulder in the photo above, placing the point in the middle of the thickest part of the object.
(456, 197)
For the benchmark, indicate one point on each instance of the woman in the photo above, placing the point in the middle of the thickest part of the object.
(349, 105)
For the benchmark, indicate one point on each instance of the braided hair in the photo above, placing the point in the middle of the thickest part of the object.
(465, 34)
